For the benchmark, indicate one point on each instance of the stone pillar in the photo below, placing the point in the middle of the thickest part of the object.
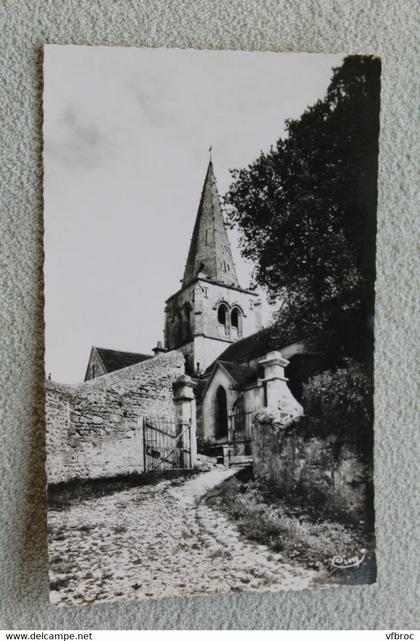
(185, 411)
(269, 423)
(278, 394)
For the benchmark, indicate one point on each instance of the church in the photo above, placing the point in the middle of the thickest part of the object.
(234, 363)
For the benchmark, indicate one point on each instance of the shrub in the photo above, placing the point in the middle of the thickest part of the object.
(340, 402)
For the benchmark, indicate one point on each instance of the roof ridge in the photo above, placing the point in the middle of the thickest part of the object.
(218, 360)
(121, 351)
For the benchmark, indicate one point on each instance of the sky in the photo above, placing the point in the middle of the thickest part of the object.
(126, 139)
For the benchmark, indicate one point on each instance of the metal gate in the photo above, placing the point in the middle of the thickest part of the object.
(240, 438)
(166, 444)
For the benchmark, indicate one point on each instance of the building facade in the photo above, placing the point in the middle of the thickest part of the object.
(216, 325)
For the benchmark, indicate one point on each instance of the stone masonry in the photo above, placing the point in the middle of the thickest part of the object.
(94, 428)
(312, 469)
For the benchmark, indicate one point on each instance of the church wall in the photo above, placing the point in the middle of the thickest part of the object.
(174, 336)
(207, 337)
(206, 350)
(202, 351)
(188, 352)
(209, 401)
(94, 428)
(253, 398)
(253, 401)
(214, 295)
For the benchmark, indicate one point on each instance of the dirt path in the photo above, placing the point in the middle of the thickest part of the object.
(159, 541)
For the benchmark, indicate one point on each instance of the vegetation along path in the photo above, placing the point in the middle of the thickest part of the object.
(159, 541)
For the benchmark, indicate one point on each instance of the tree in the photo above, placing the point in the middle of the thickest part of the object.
(307, 208)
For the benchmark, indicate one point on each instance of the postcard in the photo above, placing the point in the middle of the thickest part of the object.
(210, 224)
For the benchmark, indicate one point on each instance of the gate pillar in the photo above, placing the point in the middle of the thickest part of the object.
(185, 412)
(278, 394)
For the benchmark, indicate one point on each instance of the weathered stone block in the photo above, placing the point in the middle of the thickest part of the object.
(100, 446)
(309, 467)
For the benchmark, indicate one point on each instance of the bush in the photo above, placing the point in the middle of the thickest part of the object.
(340, 402)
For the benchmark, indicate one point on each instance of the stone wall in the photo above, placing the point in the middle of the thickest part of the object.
(94, 428)
(316, 470)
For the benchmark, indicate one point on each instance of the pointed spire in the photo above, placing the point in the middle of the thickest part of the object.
(210, 252)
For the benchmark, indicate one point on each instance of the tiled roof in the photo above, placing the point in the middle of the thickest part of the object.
(307, 356)
(251, 347)
(114, 360)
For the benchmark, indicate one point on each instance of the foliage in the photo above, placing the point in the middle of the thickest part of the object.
(307, 208)
(268, 520)
(340, 402)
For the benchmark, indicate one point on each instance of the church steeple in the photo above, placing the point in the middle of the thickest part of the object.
(210, 310)
(210, 254)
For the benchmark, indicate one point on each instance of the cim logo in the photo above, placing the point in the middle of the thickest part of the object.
(343, 562)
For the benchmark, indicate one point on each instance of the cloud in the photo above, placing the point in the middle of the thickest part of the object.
(76, 140)
(152, 111)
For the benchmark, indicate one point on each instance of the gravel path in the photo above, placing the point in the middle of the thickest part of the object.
(159, 541)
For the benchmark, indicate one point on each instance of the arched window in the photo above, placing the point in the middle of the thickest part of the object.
(223, 318)
(221, 413)
(221, 314)
(234, 318)
(236, 322)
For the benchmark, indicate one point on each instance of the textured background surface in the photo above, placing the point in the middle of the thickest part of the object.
(384, 27)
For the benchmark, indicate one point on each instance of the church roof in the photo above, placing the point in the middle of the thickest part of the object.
(252, 347)
(113, 360)
(210, 252)
(350, 335)
(318, 355)
(242, 374)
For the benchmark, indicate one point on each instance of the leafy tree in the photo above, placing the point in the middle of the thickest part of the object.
(307, 207)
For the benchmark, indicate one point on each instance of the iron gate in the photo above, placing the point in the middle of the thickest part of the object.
(236, 448)
(166, 444)
(240, 431)
(240, 438)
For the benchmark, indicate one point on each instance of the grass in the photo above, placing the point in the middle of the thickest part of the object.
(292, 531)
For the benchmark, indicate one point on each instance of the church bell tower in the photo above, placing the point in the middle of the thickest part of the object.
(211, 310)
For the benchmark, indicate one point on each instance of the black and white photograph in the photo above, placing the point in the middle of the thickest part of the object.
(209, 239)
